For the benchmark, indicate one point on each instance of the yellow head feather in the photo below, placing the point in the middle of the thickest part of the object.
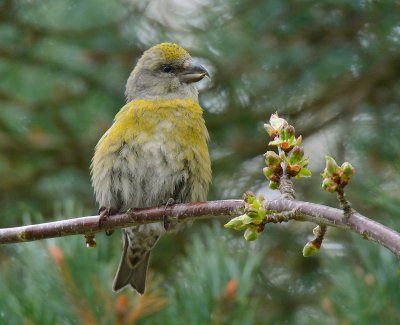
(171, 51)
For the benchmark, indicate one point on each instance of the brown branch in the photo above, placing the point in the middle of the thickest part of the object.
(344, 203)
(300, 211)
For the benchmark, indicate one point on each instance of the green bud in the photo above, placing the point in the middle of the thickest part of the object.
(310, 249)
(251, 234)
(261, 213)
(329, 185)
(246, 219)
(268, 172)
(234, 223)
(252, 212)
(304, 172)
(276, 122)
(298, 141)
(270, 130)
(239, 223)
(331, 166)
(348, 169)
(286, 144)
(296, 155)
(277, 142)
(272, 159)
(273, 185)
(256, 204)
(287, 132)
(347, 172)
(249, 197)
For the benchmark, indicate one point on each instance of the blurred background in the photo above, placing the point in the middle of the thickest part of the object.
(332, 68)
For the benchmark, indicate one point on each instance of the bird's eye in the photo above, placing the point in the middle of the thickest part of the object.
(167, 68)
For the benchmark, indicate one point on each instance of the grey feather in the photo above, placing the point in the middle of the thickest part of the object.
(133, 266)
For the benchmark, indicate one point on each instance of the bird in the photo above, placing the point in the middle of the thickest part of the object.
(154, 153)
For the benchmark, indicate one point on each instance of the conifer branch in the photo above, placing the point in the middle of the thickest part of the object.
(299, 211)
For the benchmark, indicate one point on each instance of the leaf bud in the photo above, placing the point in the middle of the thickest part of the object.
(329, 185)
(310, 249)
(251, 233)
(331, 166)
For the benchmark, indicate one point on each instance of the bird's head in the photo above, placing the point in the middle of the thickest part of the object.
(164, 71)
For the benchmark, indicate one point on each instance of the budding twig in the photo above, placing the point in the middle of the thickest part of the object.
(298, 211)
(286, 187)
(313, 246)
(344, 203)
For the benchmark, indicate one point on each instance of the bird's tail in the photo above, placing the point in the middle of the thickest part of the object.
(132, 268)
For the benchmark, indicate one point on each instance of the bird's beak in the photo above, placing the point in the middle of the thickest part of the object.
(192, 72)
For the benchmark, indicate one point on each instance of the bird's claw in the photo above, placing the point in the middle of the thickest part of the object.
(168, 203)
(104, 214)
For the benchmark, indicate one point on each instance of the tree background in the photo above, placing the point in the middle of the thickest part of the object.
(331, 68)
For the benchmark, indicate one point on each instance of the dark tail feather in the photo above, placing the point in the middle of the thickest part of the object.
(132, 270)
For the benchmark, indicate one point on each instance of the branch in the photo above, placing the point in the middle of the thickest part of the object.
(299, 211)
(90, 225)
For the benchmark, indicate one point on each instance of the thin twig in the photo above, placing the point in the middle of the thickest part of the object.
(299, 211)
(319, 232)
(344, 203)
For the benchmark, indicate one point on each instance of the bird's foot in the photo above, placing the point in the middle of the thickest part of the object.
(104, 214)
(170, 202)
(166, 204)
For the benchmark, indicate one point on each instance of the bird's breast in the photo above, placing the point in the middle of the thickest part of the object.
(157, 150)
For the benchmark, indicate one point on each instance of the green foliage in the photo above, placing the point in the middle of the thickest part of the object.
(220, 279)
(58, 281)
(213, 283)
(366, 281)
(215, 279)
(65, 69)
(329, 67)
(31, 273)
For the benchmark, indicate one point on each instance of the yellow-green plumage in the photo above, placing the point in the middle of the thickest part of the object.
(155, 130)
(141, 118)
(156, 150)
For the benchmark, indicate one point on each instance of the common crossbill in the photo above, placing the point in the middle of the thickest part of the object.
(155, 151)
